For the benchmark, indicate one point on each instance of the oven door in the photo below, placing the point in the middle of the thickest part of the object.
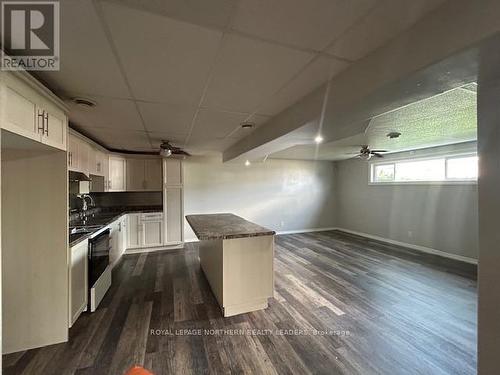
(98, 256)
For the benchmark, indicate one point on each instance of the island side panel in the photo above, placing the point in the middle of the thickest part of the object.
(211, 253)
(248, 279)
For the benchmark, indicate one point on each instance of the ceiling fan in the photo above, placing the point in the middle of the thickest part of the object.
(366, 154)
(167, 150)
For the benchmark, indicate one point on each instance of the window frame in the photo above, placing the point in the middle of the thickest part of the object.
(446, 181)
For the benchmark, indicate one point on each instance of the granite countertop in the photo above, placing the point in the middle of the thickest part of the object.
(103, 217)
(225, 226)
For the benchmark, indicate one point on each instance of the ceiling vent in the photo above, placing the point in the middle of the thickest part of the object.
(247, 125)
(393, 135)
(84, 102)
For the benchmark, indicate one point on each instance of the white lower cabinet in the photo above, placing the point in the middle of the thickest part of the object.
(134, 236)
(152, 229)
(78, 276)
(118, 239)
(145, 230)
(174, 217)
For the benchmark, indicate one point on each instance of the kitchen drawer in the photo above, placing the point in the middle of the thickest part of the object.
(153, 216)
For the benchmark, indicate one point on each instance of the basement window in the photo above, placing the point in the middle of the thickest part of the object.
(443, 169)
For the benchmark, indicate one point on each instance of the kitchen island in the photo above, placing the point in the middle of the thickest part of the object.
(237, 259)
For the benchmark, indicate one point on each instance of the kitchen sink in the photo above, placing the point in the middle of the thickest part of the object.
(85, 229)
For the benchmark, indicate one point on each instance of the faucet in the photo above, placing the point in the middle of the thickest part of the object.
(83, 198)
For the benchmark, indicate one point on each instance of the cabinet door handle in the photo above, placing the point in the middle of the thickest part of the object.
(46, 121)
(41, 115)
(70, 156)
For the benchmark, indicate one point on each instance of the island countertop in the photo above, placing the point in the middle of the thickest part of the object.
(225, 226)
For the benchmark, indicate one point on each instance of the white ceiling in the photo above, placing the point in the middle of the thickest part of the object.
(192, 71)
(447, 118)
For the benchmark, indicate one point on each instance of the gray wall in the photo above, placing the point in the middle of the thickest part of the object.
(441, 217)
(284, 195)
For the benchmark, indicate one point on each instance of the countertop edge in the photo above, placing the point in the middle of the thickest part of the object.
(234, 236)
(201, 237)
(111, 220)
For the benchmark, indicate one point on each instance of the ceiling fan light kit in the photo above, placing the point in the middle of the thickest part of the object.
(165, 153)
(366, 153)
(167, 150)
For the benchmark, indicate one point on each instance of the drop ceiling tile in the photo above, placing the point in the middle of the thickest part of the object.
(87, 62)
(307, 24)
(386, 21)
(201, 145)
(223, 124)
(313, 76)
(213, 13)
(166, 118)
(249, 71)
(165, 60)
(116, 114)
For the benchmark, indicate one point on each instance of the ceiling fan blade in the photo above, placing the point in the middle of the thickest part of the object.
(178, 151)
(377, 154)
(378, 150)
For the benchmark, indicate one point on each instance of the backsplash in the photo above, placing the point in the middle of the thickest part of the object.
(120, 199)
(148, 198)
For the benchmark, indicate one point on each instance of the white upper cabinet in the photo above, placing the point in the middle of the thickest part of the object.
(153, 174)
(173, 172)
(32, 111)
(105, 169)
(97, 163)
(54, 123)
(73, 159)
(84, 156)
(20, 109)
(92, 160)
(117, 173)
(135, 174)
(144, 174)
(100, 163)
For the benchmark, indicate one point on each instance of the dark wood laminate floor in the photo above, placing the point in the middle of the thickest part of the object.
(403, 317)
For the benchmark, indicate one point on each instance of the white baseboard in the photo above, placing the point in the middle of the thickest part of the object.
(424, 249)
(412, 246)
(310, 230)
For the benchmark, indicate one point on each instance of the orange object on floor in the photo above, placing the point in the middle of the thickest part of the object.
(138, 371)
